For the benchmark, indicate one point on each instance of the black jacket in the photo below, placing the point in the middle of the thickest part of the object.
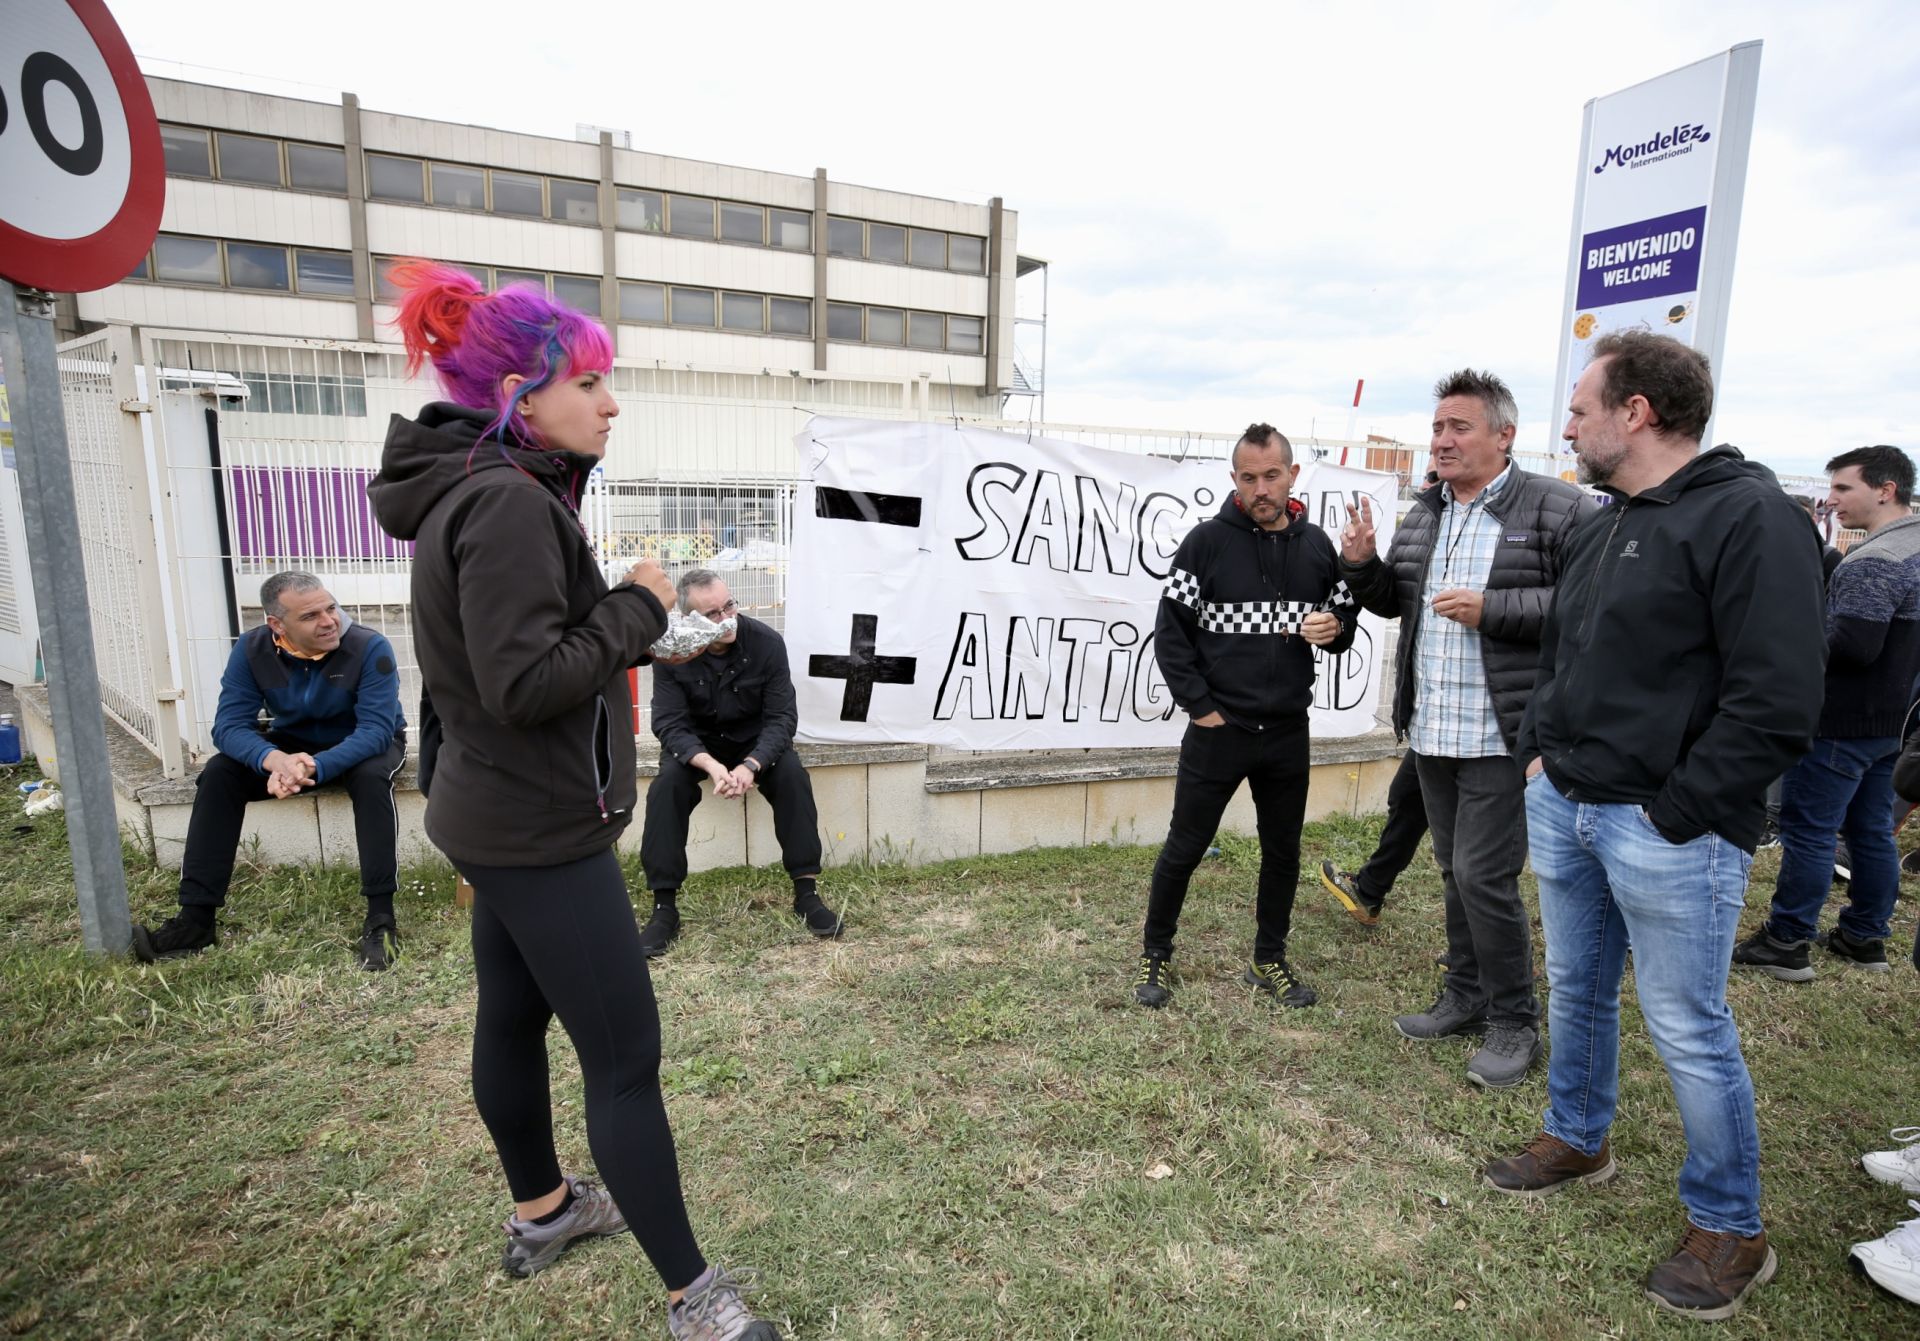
(744, 697)
(1682, 664)
(522, 646)
(1234, 590)
(1536, 515)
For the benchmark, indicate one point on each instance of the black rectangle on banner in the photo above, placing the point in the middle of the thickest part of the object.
(852, 505)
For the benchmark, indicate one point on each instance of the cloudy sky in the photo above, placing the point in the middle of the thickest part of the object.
(1246, 210)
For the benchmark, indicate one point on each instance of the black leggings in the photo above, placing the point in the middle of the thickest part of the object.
(561, 940)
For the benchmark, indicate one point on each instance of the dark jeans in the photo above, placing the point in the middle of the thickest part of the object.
(1214, 761)
(227, 787)
(561, 940)
(1842, 787)
(1400, 839)
(1478, 810)
(676, 791)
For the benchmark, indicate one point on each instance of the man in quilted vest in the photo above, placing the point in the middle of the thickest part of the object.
(1470, 576)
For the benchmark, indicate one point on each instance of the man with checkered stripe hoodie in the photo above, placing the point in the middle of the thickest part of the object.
(1251, 593)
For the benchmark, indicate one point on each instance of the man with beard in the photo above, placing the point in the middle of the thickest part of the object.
(1680, 673)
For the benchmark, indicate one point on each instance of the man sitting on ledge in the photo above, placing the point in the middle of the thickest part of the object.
(334, 695)
(730, 716)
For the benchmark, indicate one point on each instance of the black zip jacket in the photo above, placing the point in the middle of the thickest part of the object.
(1682, 665)
(1536, 515)
(1234, 590)
(744, 697)
(521, 644)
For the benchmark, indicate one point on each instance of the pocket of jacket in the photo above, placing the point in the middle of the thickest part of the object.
(602, 751)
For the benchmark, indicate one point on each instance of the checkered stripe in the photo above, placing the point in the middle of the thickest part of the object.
(1248, 616)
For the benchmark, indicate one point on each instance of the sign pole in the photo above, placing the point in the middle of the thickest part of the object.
(66, 632)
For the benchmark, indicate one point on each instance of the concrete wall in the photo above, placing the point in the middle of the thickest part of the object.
(880, 804)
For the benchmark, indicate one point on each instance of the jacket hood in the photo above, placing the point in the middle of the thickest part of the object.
(1719, 465)
(427, 457)
(1236, 516)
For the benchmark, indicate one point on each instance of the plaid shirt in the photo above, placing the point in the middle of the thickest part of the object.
(1453, 716)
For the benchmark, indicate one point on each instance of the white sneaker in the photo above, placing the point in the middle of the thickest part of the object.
(1893, 1262)
(1899, 1167)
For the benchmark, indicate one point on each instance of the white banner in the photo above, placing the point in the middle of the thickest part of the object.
(982, 591)
(1657, 210)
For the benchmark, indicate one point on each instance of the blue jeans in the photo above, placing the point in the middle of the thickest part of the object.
(1607, 880)
(1840, 787)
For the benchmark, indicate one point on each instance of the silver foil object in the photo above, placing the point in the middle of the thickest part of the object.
(689, 632)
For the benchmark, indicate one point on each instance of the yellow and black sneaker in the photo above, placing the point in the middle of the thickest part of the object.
(1278, 980)
(1341, 885)
(1150, 984)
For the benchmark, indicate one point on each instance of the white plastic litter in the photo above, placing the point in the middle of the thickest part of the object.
(46, 799)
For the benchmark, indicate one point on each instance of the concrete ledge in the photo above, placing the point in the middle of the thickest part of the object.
(878, 803)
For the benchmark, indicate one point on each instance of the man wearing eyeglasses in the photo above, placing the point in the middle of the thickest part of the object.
(727, 716)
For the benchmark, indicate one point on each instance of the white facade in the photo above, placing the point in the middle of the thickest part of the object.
(282, 214)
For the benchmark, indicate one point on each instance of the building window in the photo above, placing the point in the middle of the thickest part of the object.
(641, 211)
(463, 188)
(743, 312)
(502, 278)
(573, 202)
(396, 179)
(246, 159)
(846, 237)
(251, 266)
(313, 167)
(187, 153)
(790, 316)
(886, 243)
(515, 194)
(580, 292)
(324, 272)
(743, 223)
(186, 260)
(843, 321)
(928, 248)
(689, 216)
(963, 334)
(886, 326)
(790, 230)
(966, 254)
(693, 307)
(140, 270)
(926, 330)
(643, 302)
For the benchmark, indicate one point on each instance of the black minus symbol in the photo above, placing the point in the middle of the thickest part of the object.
(852, 505)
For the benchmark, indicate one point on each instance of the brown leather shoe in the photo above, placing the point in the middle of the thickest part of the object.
(1546, 1166)
(1711, 1274)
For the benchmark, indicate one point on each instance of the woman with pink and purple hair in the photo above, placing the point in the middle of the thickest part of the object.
(525, 650)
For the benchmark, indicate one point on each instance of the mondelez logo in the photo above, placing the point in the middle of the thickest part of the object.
(1679, 140)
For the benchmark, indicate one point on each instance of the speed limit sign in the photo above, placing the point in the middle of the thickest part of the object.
(79, 148)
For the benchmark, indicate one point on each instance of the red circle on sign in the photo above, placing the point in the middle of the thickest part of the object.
(77, 264)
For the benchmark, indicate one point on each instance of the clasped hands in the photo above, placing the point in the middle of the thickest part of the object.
(289, 774)
(728, 783)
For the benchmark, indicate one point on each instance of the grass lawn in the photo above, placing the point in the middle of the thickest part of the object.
(952, 1123)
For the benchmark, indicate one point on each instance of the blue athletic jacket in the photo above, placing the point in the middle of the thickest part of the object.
(347, 702)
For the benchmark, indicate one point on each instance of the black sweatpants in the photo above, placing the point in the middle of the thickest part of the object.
(561, 940)
(1400, 838)
(1478, 808)
(675, 791)
(1214, 761)
(227, 787)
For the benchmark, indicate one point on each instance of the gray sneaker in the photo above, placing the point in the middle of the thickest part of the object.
(713, 1309)
(1447, 1016)
(1504, 1059)
(532, 1247)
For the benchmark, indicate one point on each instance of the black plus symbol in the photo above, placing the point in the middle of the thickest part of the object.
(861, 669)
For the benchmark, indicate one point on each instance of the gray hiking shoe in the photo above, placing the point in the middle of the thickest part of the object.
(1448, 1015)
(1504, 1059)
(532, 1247)
(713, 1309)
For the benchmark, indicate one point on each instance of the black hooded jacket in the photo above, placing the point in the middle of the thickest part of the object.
(523, 647)
(1234, 590)
(1682, 667)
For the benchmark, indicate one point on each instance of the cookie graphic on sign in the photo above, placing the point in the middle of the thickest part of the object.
(1583, 325)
